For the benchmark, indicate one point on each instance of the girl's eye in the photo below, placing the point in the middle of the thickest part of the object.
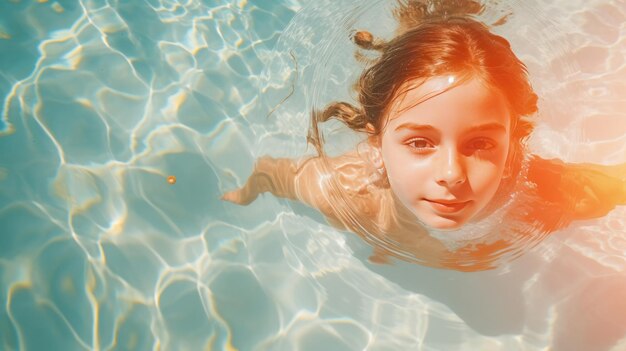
(420, 144)
(481, 144)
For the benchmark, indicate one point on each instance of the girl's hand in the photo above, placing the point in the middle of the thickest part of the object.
(269, 174)
(601, 188)
(251, 190)
(242, 196)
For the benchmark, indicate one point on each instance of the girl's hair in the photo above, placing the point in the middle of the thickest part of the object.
(436, 39)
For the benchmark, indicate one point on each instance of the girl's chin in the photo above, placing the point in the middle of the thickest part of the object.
(448, 226)
(442, 223)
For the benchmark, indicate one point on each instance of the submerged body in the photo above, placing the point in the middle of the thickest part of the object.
(437, 185)
(559, 193)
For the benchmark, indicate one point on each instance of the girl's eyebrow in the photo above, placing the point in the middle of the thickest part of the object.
(494, 126)
(487, 127)
(416, 127)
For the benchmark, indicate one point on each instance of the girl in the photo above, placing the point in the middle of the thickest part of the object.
(443, 177)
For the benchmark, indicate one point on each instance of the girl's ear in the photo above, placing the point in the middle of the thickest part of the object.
(507, 171)
(509, 161)
(376, 157)
(374, 152)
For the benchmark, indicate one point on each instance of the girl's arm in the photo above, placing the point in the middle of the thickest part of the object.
(583, 190)
(302, 180)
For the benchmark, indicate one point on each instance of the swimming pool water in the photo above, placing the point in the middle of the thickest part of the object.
(103, 100)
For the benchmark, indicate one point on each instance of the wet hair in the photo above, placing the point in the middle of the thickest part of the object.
(436, 38)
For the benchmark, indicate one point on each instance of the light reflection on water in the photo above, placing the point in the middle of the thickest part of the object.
(98, 251)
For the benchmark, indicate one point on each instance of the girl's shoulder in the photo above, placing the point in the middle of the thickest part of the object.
(354, 187)
(355, 175)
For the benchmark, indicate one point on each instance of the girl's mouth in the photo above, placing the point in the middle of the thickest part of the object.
(447, 207)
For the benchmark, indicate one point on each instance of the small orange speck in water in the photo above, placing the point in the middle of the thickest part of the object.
(171, 180)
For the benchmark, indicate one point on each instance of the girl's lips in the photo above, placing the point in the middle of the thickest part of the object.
(447, 207)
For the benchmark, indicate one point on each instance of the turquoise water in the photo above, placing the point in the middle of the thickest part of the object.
(102, 101)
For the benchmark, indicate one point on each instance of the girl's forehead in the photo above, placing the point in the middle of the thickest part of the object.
(448, 99)
(414, 92)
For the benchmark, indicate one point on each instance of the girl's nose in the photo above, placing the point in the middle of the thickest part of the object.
(450, 171)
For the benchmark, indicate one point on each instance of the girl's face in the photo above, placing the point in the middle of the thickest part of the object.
(445, 156)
